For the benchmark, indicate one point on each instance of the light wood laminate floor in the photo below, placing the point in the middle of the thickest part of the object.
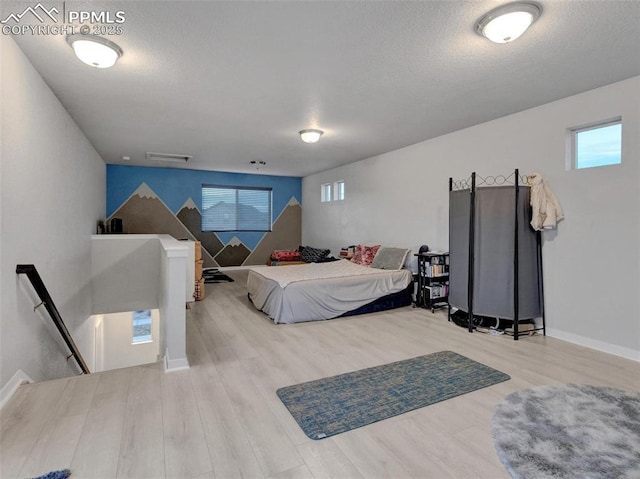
(222, 419)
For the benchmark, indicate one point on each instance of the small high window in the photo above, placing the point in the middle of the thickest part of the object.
(142, 327)
(326, 192)
(597, 145)
(339, 190)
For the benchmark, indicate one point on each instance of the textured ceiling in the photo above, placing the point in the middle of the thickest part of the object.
(231, 82)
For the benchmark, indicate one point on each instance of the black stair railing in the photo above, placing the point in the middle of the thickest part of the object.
(33, 275)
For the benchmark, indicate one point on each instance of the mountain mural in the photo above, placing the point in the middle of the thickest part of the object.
(286, 233)
(190, 217)
(145, 213)
(233, 254)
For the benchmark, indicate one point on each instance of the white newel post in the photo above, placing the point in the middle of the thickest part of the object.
(172, 305)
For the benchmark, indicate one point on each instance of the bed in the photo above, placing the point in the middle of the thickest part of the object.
(319, 291)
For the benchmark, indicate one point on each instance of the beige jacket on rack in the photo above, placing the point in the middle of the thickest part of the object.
(546, 208)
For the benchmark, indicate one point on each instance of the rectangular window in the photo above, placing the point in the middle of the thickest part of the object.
(142, 327)
(236, 208)
(339, 190)
(326, 192)
(597, 145)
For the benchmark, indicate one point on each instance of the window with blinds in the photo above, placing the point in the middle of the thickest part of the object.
(236, 208)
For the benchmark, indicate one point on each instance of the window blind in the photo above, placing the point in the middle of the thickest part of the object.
(235, 208)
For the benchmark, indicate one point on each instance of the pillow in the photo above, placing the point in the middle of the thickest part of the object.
(389, 258)
(313, 255)
(285, 255)
(411, 261)
(364, 254)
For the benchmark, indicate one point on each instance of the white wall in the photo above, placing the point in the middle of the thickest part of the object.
(52, 194)
(119, 352)
(591, 263)
(125, 273)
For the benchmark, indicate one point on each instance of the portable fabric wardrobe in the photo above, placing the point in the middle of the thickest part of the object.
(495, 256)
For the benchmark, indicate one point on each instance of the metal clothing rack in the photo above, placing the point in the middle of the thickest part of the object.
(471, 184)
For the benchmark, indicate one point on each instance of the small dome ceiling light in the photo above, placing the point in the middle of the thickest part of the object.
(508, 22)
(310, 135)
(95, 51)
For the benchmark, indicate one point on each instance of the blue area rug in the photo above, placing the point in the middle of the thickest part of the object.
(330, 406)
(61, 474)
(569, 431)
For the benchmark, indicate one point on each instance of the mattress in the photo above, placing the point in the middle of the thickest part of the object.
(318, 291)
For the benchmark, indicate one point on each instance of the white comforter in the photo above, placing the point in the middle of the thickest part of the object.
(291, 294)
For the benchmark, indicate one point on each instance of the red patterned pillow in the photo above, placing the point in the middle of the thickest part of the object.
(285, 255)
(364, 254)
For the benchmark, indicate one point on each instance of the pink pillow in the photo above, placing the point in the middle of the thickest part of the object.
(364, 254)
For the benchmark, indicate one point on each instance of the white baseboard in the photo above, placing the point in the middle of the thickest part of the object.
(9, 389)
(614, 349)
(171, 365)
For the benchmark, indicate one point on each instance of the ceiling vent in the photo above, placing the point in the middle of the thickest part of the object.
(167, 157)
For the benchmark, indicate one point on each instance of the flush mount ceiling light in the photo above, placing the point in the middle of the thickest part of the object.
(506, 23)
(310, 135)
(95, 51)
